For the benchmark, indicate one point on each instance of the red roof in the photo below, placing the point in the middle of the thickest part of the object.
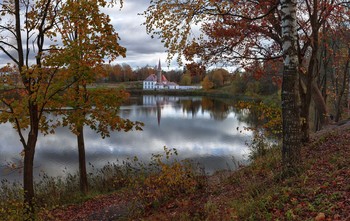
(164, 78)
(153, 77)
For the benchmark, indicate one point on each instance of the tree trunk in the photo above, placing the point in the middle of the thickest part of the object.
(291, 119)
(82, 161)
(306, 101)
(28, 181)
(320, 104)
(290, 97)
(341, 93)
(29, 152)
(19, 36)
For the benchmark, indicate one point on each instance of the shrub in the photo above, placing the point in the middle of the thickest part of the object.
(168, 178)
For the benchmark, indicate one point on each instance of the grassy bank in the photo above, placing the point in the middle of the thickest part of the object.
(320, 190)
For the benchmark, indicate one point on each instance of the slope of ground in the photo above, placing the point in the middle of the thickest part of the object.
(320, 190)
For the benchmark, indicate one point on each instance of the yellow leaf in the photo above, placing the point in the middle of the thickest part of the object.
(320, 216)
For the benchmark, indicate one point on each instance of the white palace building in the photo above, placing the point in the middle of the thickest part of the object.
(159, 82)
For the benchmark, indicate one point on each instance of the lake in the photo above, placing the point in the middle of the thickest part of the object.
(209, 131)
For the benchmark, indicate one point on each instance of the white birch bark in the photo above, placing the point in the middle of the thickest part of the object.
(290, 96)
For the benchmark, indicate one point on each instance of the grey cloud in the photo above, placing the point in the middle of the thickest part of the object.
(141, 48)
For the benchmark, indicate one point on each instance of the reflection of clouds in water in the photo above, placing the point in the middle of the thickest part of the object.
(10, 142)
(213, 143)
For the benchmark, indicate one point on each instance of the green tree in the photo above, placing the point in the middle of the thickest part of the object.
(186, 78)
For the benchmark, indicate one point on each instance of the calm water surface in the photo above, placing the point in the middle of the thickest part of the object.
(201, 129)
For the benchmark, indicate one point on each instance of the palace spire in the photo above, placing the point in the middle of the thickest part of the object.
(159, 77)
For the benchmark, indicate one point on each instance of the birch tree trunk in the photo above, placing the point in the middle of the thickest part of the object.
(290, 86)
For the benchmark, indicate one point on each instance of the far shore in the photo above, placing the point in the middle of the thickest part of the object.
(135, 89)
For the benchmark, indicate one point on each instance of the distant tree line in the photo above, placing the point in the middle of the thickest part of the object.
(124, 73)
(259, 78)
(192, 73)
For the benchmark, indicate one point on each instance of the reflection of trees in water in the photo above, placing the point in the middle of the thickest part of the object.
(261, 117)
(218, 109)
(133, 100)
(190, 106)
(249, 116)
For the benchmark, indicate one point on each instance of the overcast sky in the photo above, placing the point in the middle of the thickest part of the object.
(141, 48)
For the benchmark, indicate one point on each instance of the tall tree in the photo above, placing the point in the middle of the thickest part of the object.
(290, 96)
(40, 80)
(334, 59)
(86, 43)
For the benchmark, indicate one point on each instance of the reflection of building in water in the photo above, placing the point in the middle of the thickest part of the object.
(158, 102)
(159, 113)
(155, 103)
(152, 100)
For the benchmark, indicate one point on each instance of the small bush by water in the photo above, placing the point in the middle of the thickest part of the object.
(168, 177)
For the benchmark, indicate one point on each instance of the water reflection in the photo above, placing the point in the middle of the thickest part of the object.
(202, 129)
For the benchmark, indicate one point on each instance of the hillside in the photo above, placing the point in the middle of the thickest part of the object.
(320, 190)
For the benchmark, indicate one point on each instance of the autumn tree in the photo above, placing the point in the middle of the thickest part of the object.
(262, 78)
(237, 31)
(197, 71)
(219, 77)
(143, 72)
(334, 67)
(86, 43)
(30, 25)
(116, 73)
(207, 83)
(128, 74)
(242, 32)
(339, 78)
